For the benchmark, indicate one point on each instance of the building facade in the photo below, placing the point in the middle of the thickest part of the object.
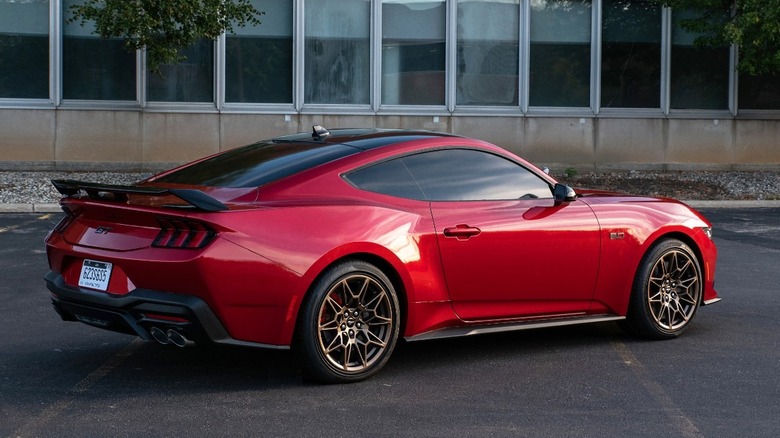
(589, 84)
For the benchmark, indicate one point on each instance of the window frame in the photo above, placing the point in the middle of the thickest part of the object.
(432, 150)
(375, 107)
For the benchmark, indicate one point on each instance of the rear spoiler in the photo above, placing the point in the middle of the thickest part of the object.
(196, 198)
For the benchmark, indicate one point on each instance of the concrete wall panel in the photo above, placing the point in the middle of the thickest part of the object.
(333, 121)
(128, 140)
(241, 129)
(27, 136)
(637, 143)
(506, 132)
(558, 142)
(700, 143)
(757, 142)
(179, 137)
(99, 137)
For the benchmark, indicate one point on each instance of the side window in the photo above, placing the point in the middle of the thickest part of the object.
(471, 175)
(389, 178)
(451, 175)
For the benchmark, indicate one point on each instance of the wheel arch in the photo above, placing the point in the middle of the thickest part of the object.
(684, 238)
(641, 319)
(381, 263)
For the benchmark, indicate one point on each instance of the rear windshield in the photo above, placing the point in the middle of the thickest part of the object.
(258, 164)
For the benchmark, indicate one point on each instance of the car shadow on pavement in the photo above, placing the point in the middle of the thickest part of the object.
(151, 368)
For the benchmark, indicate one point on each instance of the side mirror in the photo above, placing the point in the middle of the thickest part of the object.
(563, 193)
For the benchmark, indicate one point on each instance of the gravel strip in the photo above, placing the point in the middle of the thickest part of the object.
(715, 186)
(36, 188)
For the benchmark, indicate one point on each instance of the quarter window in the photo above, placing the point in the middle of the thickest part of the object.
(388, 178)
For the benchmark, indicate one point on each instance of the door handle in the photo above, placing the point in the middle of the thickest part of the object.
(461, 232)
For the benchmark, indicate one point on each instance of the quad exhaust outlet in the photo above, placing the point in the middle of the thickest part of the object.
(170, 336)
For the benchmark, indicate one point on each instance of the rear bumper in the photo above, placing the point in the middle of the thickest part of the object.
(140, 310)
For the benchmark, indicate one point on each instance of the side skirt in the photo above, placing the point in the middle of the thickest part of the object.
(479, 329)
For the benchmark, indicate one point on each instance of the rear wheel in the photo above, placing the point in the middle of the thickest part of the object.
(349, 324)
(666, 292)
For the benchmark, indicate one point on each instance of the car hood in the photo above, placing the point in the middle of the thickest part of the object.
(592, 196)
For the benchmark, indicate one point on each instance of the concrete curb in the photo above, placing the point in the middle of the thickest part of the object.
(55, 208)
(733, 204)
(30, 208)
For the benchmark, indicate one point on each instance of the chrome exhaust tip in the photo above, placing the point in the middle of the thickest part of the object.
(159, 335)
(176, 338)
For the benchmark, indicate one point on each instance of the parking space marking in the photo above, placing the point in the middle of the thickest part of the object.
(23, 224)
(677, 417)
(37, 424)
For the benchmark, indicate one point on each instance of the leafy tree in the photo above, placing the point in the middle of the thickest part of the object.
(164, 27)
(754, 25)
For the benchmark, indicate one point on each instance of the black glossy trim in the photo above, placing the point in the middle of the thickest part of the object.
(193, 197)
(124, 313)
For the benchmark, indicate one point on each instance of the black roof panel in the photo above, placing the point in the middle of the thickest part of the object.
(267, 161)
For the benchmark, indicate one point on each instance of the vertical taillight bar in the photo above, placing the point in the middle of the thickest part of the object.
(183, 233)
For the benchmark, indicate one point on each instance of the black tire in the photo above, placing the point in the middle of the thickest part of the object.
(666, 293)
(348, 325)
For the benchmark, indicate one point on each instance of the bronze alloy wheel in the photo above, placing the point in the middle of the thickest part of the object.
(351, 323)
(667, 291)
(355, 322)
(673, 289)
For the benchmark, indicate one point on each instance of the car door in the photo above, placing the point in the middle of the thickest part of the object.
(507, 249)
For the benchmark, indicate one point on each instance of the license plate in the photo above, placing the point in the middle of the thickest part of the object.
(95, 275)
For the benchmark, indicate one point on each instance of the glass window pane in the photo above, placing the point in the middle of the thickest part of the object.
(488, 52)
(337, 52)
(631, 54)
(191, 80)
(24, 49)
(389, 178)
(258, 64)
(258, 164)
(92, 67)
(413, 46)
(699, 75)
(560, 53)
(759, 92)
(469, 175)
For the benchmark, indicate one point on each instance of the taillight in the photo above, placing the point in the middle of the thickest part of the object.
(183, 233)
(64, 222)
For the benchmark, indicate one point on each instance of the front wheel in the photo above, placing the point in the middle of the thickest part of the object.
(666, 292)
(349, 324)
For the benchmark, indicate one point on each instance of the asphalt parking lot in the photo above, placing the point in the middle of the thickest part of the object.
(720, 379)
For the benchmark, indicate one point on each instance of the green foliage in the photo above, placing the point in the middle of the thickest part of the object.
(164, 27)
(754, 25)
(570, 172)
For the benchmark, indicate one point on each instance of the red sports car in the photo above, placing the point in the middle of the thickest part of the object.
(337, 243)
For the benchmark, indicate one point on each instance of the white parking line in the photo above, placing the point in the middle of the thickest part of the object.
(36, 425)
(23, 224)
(676, 416)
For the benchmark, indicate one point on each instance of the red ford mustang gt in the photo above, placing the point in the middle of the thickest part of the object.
(337, 243)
